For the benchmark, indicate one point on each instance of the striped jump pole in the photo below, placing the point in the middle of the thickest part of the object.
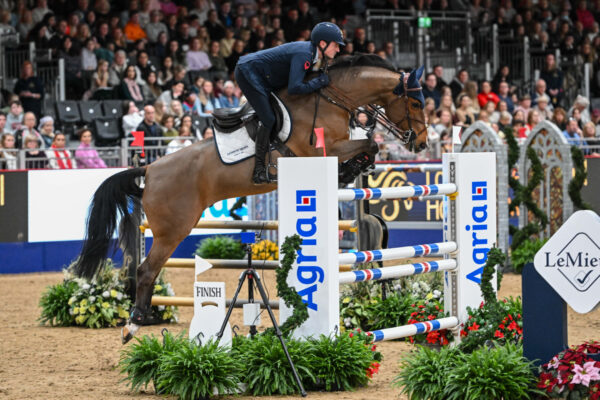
(397, 253)
(344, 225)
(396, 271)
(400, 192)
(414, 329)
(433, 167)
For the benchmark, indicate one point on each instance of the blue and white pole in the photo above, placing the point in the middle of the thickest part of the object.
(414, 329)
(400, 192)
(397, 253)
(396, 271)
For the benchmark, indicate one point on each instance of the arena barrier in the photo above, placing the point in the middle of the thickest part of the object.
(308, 201)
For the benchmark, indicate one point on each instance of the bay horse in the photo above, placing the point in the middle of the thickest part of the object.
(180, 186)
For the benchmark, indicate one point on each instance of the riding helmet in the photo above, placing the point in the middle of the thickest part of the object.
(328, 32)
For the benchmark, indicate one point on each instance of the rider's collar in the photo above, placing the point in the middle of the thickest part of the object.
(316, 57)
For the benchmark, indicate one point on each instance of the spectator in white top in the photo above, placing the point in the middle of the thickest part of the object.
(42, 9)
(155, 27)
(117, 69)
(181, 142)
(582, 104)
(197, 60)
(14, 119)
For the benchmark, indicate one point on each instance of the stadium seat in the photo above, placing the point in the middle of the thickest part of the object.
(112, 108)
(107, 131)
(90, 110)
(200, 123)
(68, 117)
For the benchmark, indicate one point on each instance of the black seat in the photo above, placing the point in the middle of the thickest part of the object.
(68, 112)
(107, 131)
(112, 108)
(200, 123)
(90, 110)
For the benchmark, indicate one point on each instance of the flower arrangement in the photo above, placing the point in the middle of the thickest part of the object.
(265, 250)
(429, 310)
(573, 373)
(99, 303)
(367, 339)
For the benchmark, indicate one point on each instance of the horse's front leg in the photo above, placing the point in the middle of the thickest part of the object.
(356, 156)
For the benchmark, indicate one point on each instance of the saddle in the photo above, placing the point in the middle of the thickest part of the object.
(229, 120)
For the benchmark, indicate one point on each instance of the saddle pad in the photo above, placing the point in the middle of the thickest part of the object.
(237, 146)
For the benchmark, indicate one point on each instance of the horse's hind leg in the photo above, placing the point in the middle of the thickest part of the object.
(161, 250)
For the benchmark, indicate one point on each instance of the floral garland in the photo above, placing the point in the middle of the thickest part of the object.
(577, 182)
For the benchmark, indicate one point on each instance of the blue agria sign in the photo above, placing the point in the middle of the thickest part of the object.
(570, 261)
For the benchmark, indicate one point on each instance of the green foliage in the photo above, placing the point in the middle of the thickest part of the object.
(578, 180)
(341, 363)
(141, 361)
(221, 247)
(395, 310)
(190, 371)
(288, 294)
(268, 371)
(498, 373)
(424, 373)
(525, 253)
(356, 312)
(55, 304)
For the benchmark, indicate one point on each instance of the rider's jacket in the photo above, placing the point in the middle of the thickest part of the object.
(282, 66)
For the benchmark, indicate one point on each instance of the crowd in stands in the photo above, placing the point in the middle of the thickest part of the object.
(172, 61)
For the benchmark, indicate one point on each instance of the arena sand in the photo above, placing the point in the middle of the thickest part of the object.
(40, 362)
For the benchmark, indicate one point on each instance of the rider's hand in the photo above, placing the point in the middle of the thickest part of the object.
(323, 80)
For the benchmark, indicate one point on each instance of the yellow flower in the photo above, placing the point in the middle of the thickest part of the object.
(105, 305)
(83, 303)
(113, 322)
(346, 300)
(429, 296)
(113, 293)
(80, 319)
(157, 288)
(76, 311)
(82, 310)
(123, 313)
(92, 309)
(71, 300)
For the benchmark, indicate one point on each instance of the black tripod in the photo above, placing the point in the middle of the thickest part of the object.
(254, 278)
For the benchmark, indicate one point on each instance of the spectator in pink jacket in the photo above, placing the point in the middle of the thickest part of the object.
(86, 156)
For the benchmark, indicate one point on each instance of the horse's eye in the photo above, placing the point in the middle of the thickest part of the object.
(415, 105)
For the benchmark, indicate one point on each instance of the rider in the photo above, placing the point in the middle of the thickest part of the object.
(258, 74)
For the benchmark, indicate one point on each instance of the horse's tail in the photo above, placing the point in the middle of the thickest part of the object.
(115, 194)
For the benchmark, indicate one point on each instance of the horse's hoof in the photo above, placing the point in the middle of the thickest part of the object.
(126, 336)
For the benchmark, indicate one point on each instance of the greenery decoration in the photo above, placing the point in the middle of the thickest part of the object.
(395, 310)
(267, 370)
(288, 294)
(343, 362)
(488, 373)
(578, 180)
(573, 373)
(427, 310)
(141, 361)
(525, 253)
(221, 247)
(55, 304)
(190, 371)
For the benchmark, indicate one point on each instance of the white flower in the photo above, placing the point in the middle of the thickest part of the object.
(161, 308)
(119, 296)
(437, 293)
(170, 291)
(92, 299)
(106, 294)
(86, 286)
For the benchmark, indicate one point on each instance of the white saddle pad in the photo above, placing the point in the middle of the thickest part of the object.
(237, 146)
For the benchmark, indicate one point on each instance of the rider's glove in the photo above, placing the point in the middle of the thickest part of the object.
(321, 81)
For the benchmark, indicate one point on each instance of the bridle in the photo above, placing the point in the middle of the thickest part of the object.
(338, 98)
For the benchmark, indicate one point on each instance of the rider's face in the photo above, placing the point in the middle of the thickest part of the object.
(332, 50)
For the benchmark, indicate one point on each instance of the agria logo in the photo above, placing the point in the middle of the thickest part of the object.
(309, 272)
(578, 262)
(480, 243)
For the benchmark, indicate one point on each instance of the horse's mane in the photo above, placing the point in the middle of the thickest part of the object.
(361, 60)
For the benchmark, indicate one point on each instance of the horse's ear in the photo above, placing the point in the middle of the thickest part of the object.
(419, 72)
(399, 89)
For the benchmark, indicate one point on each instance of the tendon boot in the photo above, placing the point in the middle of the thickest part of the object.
(260, 174)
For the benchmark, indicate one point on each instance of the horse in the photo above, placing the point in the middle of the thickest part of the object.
(179, 187)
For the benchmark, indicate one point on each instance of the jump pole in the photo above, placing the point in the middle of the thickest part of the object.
(308, 201)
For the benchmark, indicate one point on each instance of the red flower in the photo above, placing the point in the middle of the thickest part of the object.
(512, 326)
(498, 334)
(373, 348)
(431, 317)
(432, 337)
(351, 334)
(501, 326)
(369, 334)
(474, 327)
(463, 333)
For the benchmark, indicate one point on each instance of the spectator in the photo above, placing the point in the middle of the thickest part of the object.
(238, 51)
(219, 68)
(464, 112)
(429, 89)
(559, 118)
(486, 95)
(540, 89)
(148, 125)
(129, 87)
(73, 77)
(533, 118)
(176, 110)
(144, 65)
(197, 60)
(590, 140)
(292, 25)
(155, 27)
(446, 103)
(85, 155)
(175, 93)
(89, 61)
(471, 91)
(438, 70)
(40, 11)
(503, 75)
(524, 105)
(226, 44)
(117, 69)
(208, 133)
(596, 121)
(458, 83)
(46, 129)
(30, 89)
(504, 95)
(14, 119)
(216, 31)
(133, 30)
(360, 40)
(166, 71)
(168, 126)
(207, 99)
(25, 23)
(119, 41)
(584, 15)
(444, 121)
(228, 99)
(581, 104)
(176, 53)
(168, 7)
(181, 141)
(190, 103)
(28, 129)
(34, 157)
(100, 89)
(430, 114)
(58, 156)
(132, 117)
(542, 107)
(572, 132)
(361, 126)
(8, 152)
(2, 122)
(151, 90)
(554, 80)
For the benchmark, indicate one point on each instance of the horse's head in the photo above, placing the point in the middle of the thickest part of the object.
(407, 110)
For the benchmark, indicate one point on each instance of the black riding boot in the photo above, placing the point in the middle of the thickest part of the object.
(260, 174)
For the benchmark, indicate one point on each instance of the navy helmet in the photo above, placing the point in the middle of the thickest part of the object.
(328, 32)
